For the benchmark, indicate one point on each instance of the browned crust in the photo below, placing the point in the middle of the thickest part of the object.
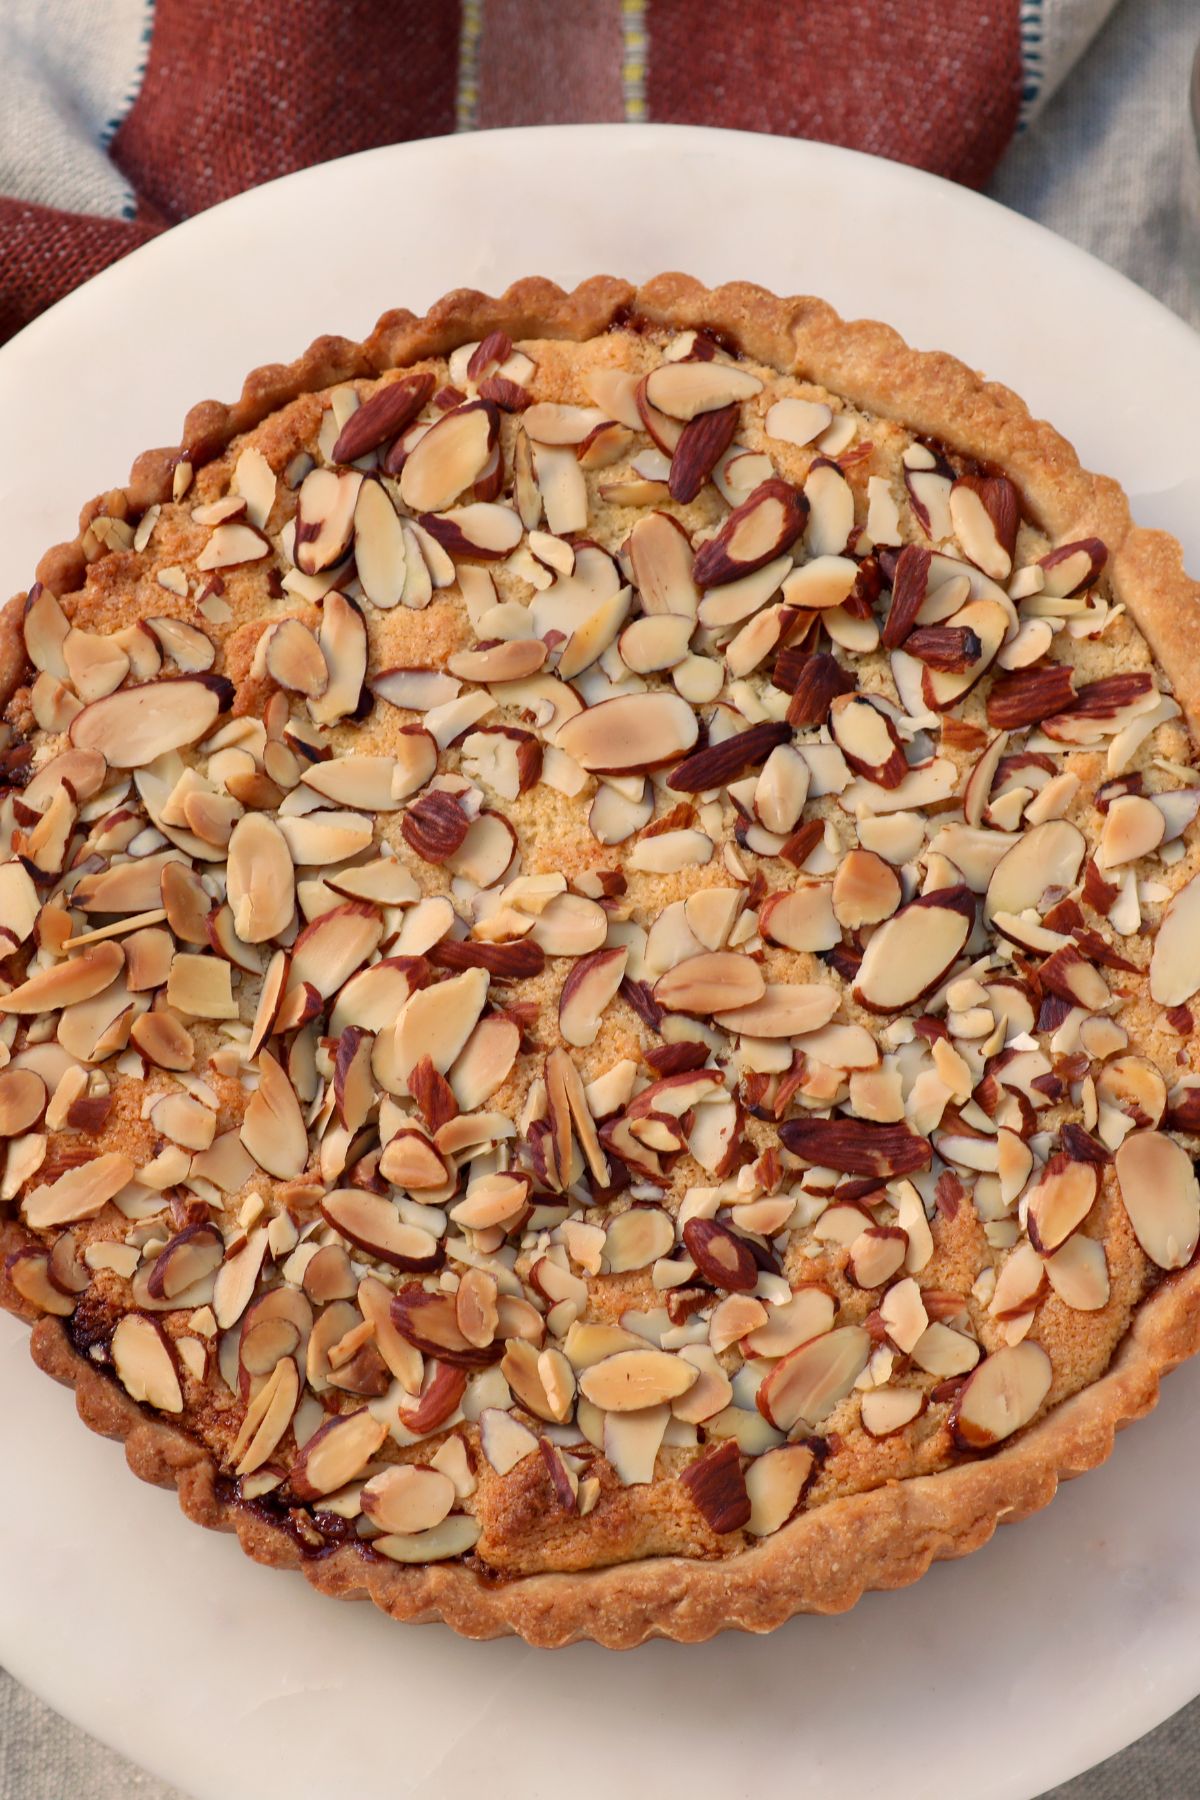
(823, 1561)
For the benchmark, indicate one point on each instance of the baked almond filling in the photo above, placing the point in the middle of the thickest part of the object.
(597, 953)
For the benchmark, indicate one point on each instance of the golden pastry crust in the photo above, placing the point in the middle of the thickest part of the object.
(885, 1536)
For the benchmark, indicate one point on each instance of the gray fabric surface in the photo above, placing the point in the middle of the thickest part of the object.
(1110, 164)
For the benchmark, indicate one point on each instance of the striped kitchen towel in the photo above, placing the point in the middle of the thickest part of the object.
(121, 117)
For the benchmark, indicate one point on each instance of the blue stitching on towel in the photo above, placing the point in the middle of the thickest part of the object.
(129, 205)
(1032, 62)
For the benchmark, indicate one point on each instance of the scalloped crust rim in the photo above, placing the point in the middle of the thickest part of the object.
(885, 1538)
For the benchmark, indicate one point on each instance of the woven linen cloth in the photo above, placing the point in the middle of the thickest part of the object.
(122, 118)
(1105, 156)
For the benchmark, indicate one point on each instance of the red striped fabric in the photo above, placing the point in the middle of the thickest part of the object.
(234, 96)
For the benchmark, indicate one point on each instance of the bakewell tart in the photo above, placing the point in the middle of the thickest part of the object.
(599, 933)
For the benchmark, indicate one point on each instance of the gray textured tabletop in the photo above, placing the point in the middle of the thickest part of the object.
(1110, 164)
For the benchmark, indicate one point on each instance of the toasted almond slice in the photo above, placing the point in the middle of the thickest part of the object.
(913, 950)
(548, 422)
(766, 524)
(408, 1498)
(1003, 1394)
(380, 547)
(798, 422)
(325, 518)
(434, 1022)
(80, 1193)
(273, 1129)
(485, 1062)
(868, 739)
(787, 1009)
(944, 1352)
(831, 509)
(373, 1224)
(806, 1385)
(876, 1255)
(684, 389)
(144, 1363)
(316, 839)
(28, 1270)
(1175, 958)
(1161, 1196)
(293, 659)
(133, 726)
(335, 946)
(1061, 1199)
(505, 661)
(261, 879)
(22, 1101)
(985, 511)
(232, 544)
(590, 985)
(662, 560)
(335, 1454)
(776, 1481)
(866, 890)
(656, 642)
(632, 732)
(717, 982)
(1047, 857)
(1078, 1273)
(191, 649)
(453, 1537)
(637, 1238)
(634, 1379)
(887, 1410)
(67, 983)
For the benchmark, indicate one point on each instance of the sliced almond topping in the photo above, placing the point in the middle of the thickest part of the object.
(637, 1238)
(887, 1409)
(787, 1009)
(261, 879)
(1161, 1195)
(767, 523)
(231, 545)
(1001, 1396)
(22, 1101)
(634, 1379)
(80, 1193)
(590, 985)
(632, 732)
(775, 1484)
(408, 1498)
(718, 981)
(725, 1260)
(1078, 1273)
(293, 659)
(1047, 857)
(29, 1272)
(867, 739)
(683, 389)
(67, 983)
(373, 1224)
(857, 1147)
(831, 509)
(806, 1385)
(335, 1454)
(914, 950)
(876, 1255)
(1175, 959)
(273, 1129)
(385, 415)
(797, 422)
(133, 726)
(144, 1363)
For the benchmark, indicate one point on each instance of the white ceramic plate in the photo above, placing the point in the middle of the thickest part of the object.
(1043, 1653)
